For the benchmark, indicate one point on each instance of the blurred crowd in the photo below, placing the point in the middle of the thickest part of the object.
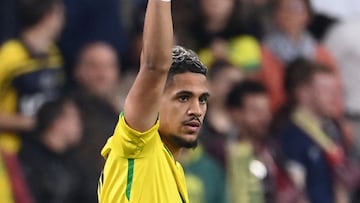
(283, 121)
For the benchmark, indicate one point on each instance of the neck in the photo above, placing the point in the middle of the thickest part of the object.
(312, 112)
(175, 150)
(37, 39)
(248, 136)
(54, 142)
(294, 36)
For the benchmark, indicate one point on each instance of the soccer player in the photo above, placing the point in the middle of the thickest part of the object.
(163, 113)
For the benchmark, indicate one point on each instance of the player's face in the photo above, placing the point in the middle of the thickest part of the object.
(183, 108)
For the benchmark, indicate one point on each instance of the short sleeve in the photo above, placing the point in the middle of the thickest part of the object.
(12, 56)
(129, 143)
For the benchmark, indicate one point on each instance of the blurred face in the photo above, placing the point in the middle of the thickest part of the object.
(324, 93)
(69, 123)
(183, 108)
(292, 16)
(223, 81)
(255, 116)
(97, 70)
(217, 9)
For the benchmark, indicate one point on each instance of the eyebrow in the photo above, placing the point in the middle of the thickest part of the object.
(206, 94)
(185, 92)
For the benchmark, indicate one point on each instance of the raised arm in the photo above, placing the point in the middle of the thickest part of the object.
(143, 101)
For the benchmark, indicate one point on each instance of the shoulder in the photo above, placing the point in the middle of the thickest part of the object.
(55, 58)
(13, 49)
(12, 55)
(130, 143)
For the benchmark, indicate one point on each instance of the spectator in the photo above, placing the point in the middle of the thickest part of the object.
(256, 172)
(97, 75)
(343, 42)
(311, 139)
(88, 21)
(205, 178)
(254, 16)
(288, 41)
(216, 33)
(243, 51)
(214, 20)
(222, 76)
(51, 169)
(30, 68)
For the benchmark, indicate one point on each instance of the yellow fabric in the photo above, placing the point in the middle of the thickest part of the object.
(196, 188)
(15, 60)
(156, 178)
(244, 186)
(5, 185)
(311, 126)
(243, 51)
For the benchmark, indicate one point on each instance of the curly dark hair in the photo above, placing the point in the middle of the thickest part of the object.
(185, 60)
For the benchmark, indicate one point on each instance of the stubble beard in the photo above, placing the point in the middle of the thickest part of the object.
(182, 143)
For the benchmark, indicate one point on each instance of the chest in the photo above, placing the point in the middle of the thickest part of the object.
(42, 80)
(159, 179)
(33, 88)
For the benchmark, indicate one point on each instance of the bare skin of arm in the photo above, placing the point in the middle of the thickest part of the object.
(15, 122)
(143, 101)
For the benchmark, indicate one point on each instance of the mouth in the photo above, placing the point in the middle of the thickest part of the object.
(192, 125)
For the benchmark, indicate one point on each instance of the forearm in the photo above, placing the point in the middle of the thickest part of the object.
(15, 122)
(158, 36)
(143, 101)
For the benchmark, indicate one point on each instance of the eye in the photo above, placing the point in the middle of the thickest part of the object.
(203, 100)
(183, 98)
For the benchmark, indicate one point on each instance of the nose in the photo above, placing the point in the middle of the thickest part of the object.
(195, 109)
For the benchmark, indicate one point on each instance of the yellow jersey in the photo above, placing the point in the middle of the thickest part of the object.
(140, 169)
